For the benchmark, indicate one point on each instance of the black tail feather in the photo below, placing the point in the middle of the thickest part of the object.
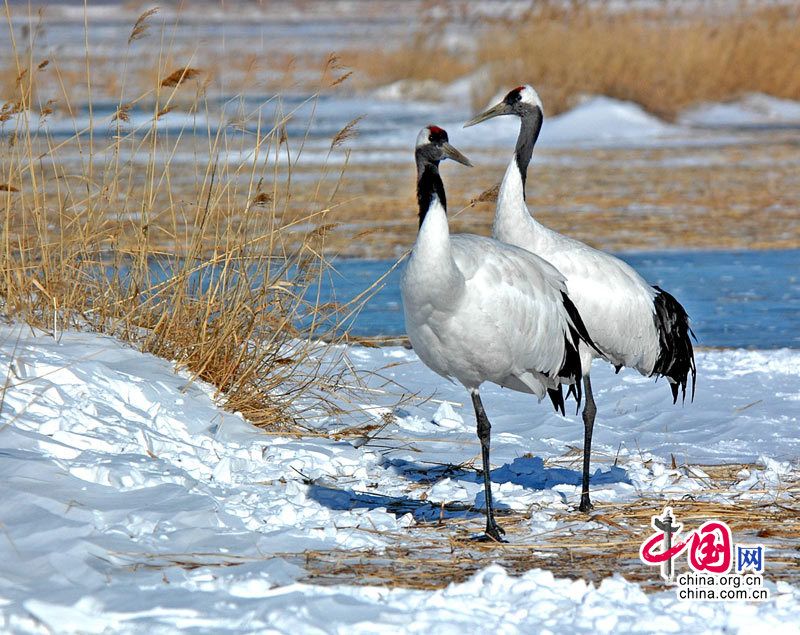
(675, 359)
(571, 370)
(580, 328)
(557, 397)
(576, 391)
(571, 366)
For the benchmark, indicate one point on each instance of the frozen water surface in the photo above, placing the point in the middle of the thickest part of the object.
(748, 299)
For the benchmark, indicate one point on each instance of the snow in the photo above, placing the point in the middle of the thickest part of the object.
(599, 118)
(597, 121)
(755, 109)
(139, 122)
(430, 90)
(394, 113)
(133, 503)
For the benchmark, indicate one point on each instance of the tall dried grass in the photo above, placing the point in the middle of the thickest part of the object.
(664, 59)
(421, 57)
(203, 265)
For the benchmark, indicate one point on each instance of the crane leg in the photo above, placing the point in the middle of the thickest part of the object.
(493, 530)
(589, 412)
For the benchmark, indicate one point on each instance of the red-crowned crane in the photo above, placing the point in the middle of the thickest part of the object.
(479, 310)
(632, 323)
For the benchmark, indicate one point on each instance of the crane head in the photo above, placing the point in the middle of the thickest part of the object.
(521, 101)
(433, 146)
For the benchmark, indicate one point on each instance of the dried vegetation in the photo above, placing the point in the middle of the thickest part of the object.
(662, 58)
(665, 57)
(443, 552)
(208, 265)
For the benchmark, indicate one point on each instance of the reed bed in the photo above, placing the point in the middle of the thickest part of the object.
(665, 57)
(208, 266)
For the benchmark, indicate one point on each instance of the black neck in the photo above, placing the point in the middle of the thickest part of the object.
(529, 129)
(429, 186)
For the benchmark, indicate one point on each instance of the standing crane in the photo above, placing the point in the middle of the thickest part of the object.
(479, 310)
(632, 323)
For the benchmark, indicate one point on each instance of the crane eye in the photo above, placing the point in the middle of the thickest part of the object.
(430, 137)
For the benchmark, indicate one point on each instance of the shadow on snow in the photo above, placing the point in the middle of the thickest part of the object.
(348, 500)
(528, 472)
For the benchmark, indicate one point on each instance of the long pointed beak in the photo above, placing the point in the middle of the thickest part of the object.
(494, 111)
(451, 153)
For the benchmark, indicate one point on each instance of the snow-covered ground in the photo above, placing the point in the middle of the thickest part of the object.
(132, 503)
(753, 110)
(389, 120)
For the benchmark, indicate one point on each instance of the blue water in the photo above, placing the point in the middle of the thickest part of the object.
(748, 299)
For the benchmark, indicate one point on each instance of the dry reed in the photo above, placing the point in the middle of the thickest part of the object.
(180, 75)
(142, 25)
(664, 58)
(213, 274)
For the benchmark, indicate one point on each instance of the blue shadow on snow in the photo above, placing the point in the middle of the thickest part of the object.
(527, 472)
(347, 500)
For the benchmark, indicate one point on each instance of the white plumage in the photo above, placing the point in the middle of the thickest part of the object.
(615, 302)
(631, 322)
(479, 310)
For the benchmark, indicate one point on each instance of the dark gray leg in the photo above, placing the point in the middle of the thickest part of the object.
(589, 411)
(493, 531)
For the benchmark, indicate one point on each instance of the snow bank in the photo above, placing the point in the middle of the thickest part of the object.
(132, 503)
(601, 118)
(753, 110)
(598, 120)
